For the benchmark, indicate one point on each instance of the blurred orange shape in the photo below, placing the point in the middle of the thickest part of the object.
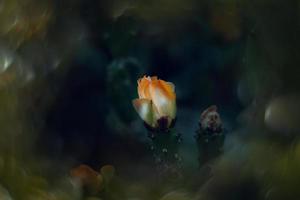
(88, 178)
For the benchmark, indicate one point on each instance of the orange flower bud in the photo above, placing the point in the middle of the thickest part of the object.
(157, 100)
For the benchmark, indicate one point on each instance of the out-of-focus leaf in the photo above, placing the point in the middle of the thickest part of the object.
(108, 172)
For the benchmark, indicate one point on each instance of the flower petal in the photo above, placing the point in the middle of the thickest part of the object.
(144, 108)
(143, 87)
(172, 86)
(169, 88)
(163, 99)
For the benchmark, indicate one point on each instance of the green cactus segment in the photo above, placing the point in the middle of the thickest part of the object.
(210, 146)
(164, 146)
